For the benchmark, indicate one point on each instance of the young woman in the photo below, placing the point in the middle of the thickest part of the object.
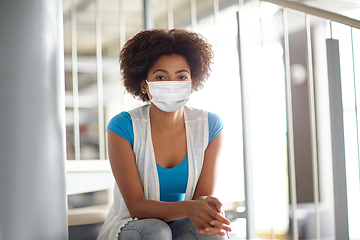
(164, 155)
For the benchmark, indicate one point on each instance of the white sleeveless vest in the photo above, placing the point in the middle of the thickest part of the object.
(197, 137)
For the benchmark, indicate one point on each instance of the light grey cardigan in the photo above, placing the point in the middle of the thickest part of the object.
(197, 137)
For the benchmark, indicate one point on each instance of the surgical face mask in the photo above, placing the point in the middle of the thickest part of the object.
(169, 96)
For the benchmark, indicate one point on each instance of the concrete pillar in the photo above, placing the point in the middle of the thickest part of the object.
(32, 121)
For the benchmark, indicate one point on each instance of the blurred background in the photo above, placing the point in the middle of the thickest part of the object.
(269, 84)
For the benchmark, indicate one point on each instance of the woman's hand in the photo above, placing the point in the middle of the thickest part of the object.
(218, 227)
(208, 217)
(217, 224)
(215, 203)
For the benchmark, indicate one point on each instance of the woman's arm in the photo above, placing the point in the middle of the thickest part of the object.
(207, 182)
(127, 177)
(126, 174)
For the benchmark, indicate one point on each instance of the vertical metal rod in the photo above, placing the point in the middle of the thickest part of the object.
(355, 94)
(193, 15)
(247, 159)
(99, 71)
(75, 81)
(261, 24)
(148, 16)
(216, 22)
(313, 125)
(122, 38)
(337, 140)
(121, 23)
(331, 35)
(290, 129)
(216, 12)
(170, 12)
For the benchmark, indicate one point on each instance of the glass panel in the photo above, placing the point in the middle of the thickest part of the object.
(115, 97)
(110, 32)
(87, 68)
(205, 14)
(222, 94)
(70, 138)
(110, 25)
(134, 17)
(343, 34)
(86, 49)
(70, 149)
(301, 116)
(263, 75)
(182, 14)
(89, 131)
(354, 208)
(320, 31)
(269, 143)
(160, 14)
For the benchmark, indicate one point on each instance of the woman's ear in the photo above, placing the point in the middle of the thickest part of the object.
(143, 87)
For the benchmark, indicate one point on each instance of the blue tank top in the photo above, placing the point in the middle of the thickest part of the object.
(172, 181)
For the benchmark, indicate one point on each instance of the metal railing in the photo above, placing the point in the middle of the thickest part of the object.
(340, 200)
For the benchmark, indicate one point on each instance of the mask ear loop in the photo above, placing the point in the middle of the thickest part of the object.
(143, 92)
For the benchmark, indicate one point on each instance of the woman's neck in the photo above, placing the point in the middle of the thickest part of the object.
(165, 121)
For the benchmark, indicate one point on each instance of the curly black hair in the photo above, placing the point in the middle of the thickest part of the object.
(141, 52)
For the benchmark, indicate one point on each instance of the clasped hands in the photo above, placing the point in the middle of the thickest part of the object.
(208, 217)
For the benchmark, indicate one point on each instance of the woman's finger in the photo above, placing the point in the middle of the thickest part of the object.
(220, 225)
(213, 231)
(219, 217)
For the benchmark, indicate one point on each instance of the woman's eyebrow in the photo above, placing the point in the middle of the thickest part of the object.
(182, 71)
(160, 70)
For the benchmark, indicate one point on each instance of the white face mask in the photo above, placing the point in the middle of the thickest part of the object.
(169, 96)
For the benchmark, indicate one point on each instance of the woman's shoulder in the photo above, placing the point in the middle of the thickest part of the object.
(121, 124)
(213, 117)
(215, 120)
(120, 119)
(215, 125)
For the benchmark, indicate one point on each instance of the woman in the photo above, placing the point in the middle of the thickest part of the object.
(164, 155)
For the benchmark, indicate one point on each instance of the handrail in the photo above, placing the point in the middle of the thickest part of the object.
(317, 12)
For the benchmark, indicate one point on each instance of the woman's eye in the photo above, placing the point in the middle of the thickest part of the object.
(160, 77)
(183, 77)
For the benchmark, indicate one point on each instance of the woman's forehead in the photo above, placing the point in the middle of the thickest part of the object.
(173, 63)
